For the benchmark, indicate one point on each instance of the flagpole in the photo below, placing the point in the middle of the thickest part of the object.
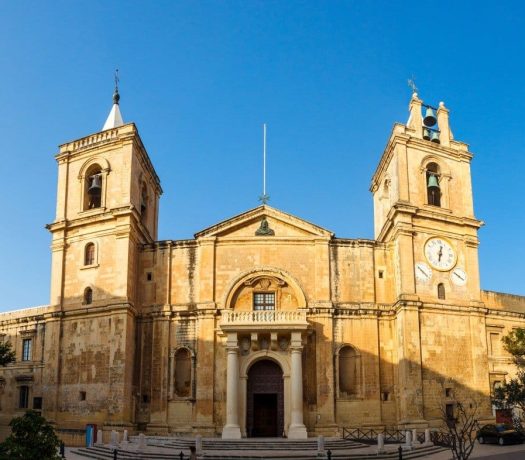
(264, 159)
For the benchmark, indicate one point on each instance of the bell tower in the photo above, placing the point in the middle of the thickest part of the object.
(107, 208)
(107, 205)
(423, 208)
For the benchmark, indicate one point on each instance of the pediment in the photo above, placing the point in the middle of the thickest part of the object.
(248, 224)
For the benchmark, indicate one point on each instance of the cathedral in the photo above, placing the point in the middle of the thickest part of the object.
(264, 324)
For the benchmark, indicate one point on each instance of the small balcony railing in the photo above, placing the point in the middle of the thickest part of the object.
(263, 319)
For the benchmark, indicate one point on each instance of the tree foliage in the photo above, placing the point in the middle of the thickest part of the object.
(32, 437)
(511, 394)
(7, 355)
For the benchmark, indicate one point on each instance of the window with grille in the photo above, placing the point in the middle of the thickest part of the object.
(26, 349)
(264, 301)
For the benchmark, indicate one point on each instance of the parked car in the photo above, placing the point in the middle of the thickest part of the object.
(500, 433)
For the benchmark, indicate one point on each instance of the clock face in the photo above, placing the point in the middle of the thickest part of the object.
(423, 271)
(458, 277)
(440, 254)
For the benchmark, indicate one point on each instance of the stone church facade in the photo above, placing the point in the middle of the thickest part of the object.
(263, 324)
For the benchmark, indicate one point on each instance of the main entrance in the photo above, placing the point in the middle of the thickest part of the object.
(265, 400)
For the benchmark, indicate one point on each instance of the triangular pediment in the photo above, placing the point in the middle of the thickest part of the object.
(248, 224)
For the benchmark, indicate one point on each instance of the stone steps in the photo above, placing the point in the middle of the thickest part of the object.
(106, 453)
(262, 444)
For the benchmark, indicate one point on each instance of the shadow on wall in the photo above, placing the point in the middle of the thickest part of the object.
(116, 366)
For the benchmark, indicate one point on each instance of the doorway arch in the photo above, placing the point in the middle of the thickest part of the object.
(265, 400)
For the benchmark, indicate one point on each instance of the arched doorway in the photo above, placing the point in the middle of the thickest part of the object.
(265, 400)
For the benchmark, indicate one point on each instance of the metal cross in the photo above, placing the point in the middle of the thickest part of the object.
(412, 84)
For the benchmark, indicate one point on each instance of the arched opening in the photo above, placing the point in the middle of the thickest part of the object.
(433, 178)
(265, 400)
(93, 187)
(143, 204)
(182, 373)
(441, 291)
(88, 296)
(349, 365)
(89, 254)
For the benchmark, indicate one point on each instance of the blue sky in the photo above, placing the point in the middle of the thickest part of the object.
(200, 78)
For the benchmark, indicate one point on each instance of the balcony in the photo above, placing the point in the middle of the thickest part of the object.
(270, 320)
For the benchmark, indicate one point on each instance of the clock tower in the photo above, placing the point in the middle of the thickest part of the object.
(424, 217)
(423, 209)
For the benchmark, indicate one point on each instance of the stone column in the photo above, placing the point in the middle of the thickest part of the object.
(232, 430)
(297, 429)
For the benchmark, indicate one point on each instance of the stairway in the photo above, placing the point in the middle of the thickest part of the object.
(164, 448)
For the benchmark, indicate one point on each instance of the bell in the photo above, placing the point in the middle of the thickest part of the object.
(426, 134)
(430, 119)
(432, 181)
(95, 188)
(434, 137)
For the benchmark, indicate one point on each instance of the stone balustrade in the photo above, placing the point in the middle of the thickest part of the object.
(267, 319)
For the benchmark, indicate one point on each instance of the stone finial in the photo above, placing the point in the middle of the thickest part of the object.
(445, 135)
(415, 120)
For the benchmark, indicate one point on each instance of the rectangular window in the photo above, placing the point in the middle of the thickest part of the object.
(264, 300)
(23, 401)
(26, 349)
(37, 403)
(449, 411)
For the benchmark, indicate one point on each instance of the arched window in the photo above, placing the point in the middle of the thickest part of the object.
(183, 373)
(89, 254)
(441, 291)
(93, 187)
(433, 178)
(143, 203)
(88, 296)
(349, 372)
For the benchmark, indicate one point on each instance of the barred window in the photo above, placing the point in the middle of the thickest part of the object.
(264, 300)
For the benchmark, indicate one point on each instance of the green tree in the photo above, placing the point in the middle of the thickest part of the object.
(32, 437)
(7, 355)
(511, 394)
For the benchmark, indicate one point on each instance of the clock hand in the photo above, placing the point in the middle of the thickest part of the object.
(440, 253)
(422, 271)
(460, 277)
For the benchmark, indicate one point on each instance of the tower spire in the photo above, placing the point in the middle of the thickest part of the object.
(114, 119)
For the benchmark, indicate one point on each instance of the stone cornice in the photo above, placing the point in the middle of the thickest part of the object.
(260, 211)
(401, 135)
(121, 134)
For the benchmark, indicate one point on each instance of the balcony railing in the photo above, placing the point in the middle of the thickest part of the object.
(267, 319)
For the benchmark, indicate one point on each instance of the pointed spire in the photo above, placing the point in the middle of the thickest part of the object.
(114, 119)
